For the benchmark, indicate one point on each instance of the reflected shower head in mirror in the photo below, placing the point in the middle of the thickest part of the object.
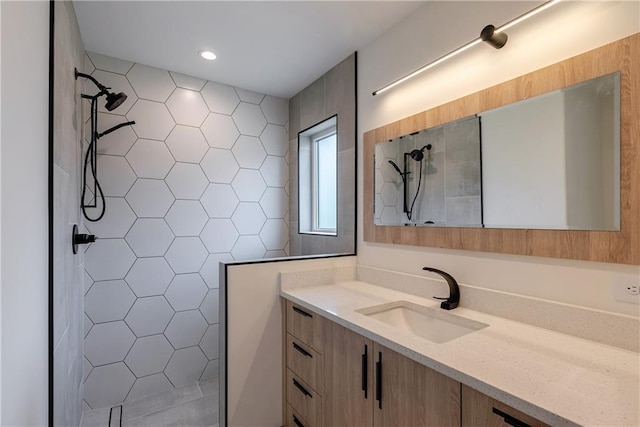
(418, 155)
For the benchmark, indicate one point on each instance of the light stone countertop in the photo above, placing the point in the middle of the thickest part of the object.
(556, 378)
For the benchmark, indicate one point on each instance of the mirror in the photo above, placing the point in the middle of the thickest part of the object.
(612, 238)
(551, 161)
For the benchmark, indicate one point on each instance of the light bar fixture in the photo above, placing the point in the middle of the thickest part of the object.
(493, 36)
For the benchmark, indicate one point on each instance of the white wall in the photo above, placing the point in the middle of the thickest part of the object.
(254, 328)
(566, 30)
(24, 167)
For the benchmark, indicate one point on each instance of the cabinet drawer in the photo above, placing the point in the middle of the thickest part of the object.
(305, 325)
(303, 399)
(294, 419)
(304, 361)
(478, 409)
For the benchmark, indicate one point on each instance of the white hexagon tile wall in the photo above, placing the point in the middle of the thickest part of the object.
(200, 178)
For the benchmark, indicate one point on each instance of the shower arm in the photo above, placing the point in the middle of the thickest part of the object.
(92, 97)
(103, 88)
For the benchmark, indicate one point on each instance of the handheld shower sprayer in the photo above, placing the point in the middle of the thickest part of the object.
(114, 100)
(115, 128)
(397, 168)
(418, 156)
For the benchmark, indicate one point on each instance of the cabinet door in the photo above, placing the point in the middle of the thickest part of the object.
(348, 377)
(409, 394)
(480, 410)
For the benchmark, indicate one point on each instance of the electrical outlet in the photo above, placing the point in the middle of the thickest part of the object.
(626, 288)
(633, 289)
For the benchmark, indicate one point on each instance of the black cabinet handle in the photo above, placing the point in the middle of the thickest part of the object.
(512, 421)
(379, 380)
(302, 312)
(302, 389)
(302, 350)
(297, 422)
(365, 357)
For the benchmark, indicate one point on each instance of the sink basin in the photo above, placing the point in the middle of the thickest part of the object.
(432, 324)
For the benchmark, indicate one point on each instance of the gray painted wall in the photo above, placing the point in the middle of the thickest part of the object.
(68, 269)
(333, 93)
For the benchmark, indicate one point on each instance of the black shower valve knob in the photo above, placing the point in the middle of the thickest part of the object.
(80, 238)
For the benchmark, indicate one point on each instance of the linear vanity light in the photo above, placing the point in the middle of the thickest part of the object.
(490, 34)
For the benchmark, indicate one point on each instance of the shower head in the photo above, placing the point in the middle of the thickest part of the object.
(114, 100)
(418, 155)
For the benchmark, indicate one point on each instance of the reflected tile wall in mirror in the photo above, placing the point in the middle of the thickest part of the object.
(447, 191)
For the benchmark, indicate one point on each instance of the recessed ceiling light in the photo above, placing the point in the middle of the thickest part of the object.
(208, 55)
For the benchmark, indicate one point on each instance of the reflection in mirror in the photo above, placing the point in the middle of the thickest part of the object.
(552, 161)
(430, 177)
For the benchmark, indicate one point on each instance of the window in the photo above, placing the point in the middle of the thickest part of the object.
(324, 182)
(317, 178)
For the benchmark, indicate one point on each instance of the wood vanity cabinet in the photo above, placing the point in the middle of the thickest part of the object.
(336, 377)
(303, 370)
(480, 410)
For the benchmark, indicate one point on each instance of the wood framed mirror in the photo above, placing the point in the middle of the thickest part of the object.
(614, 246)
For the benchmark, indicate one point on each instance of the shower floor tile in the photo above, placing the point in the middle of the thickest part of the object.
(193, 405)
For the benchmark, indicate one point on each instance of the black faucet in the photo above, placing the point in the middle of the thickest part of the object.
(454, 290)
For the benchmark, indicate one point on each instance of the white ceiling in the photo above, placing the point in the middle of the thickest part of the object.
(276, 48)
